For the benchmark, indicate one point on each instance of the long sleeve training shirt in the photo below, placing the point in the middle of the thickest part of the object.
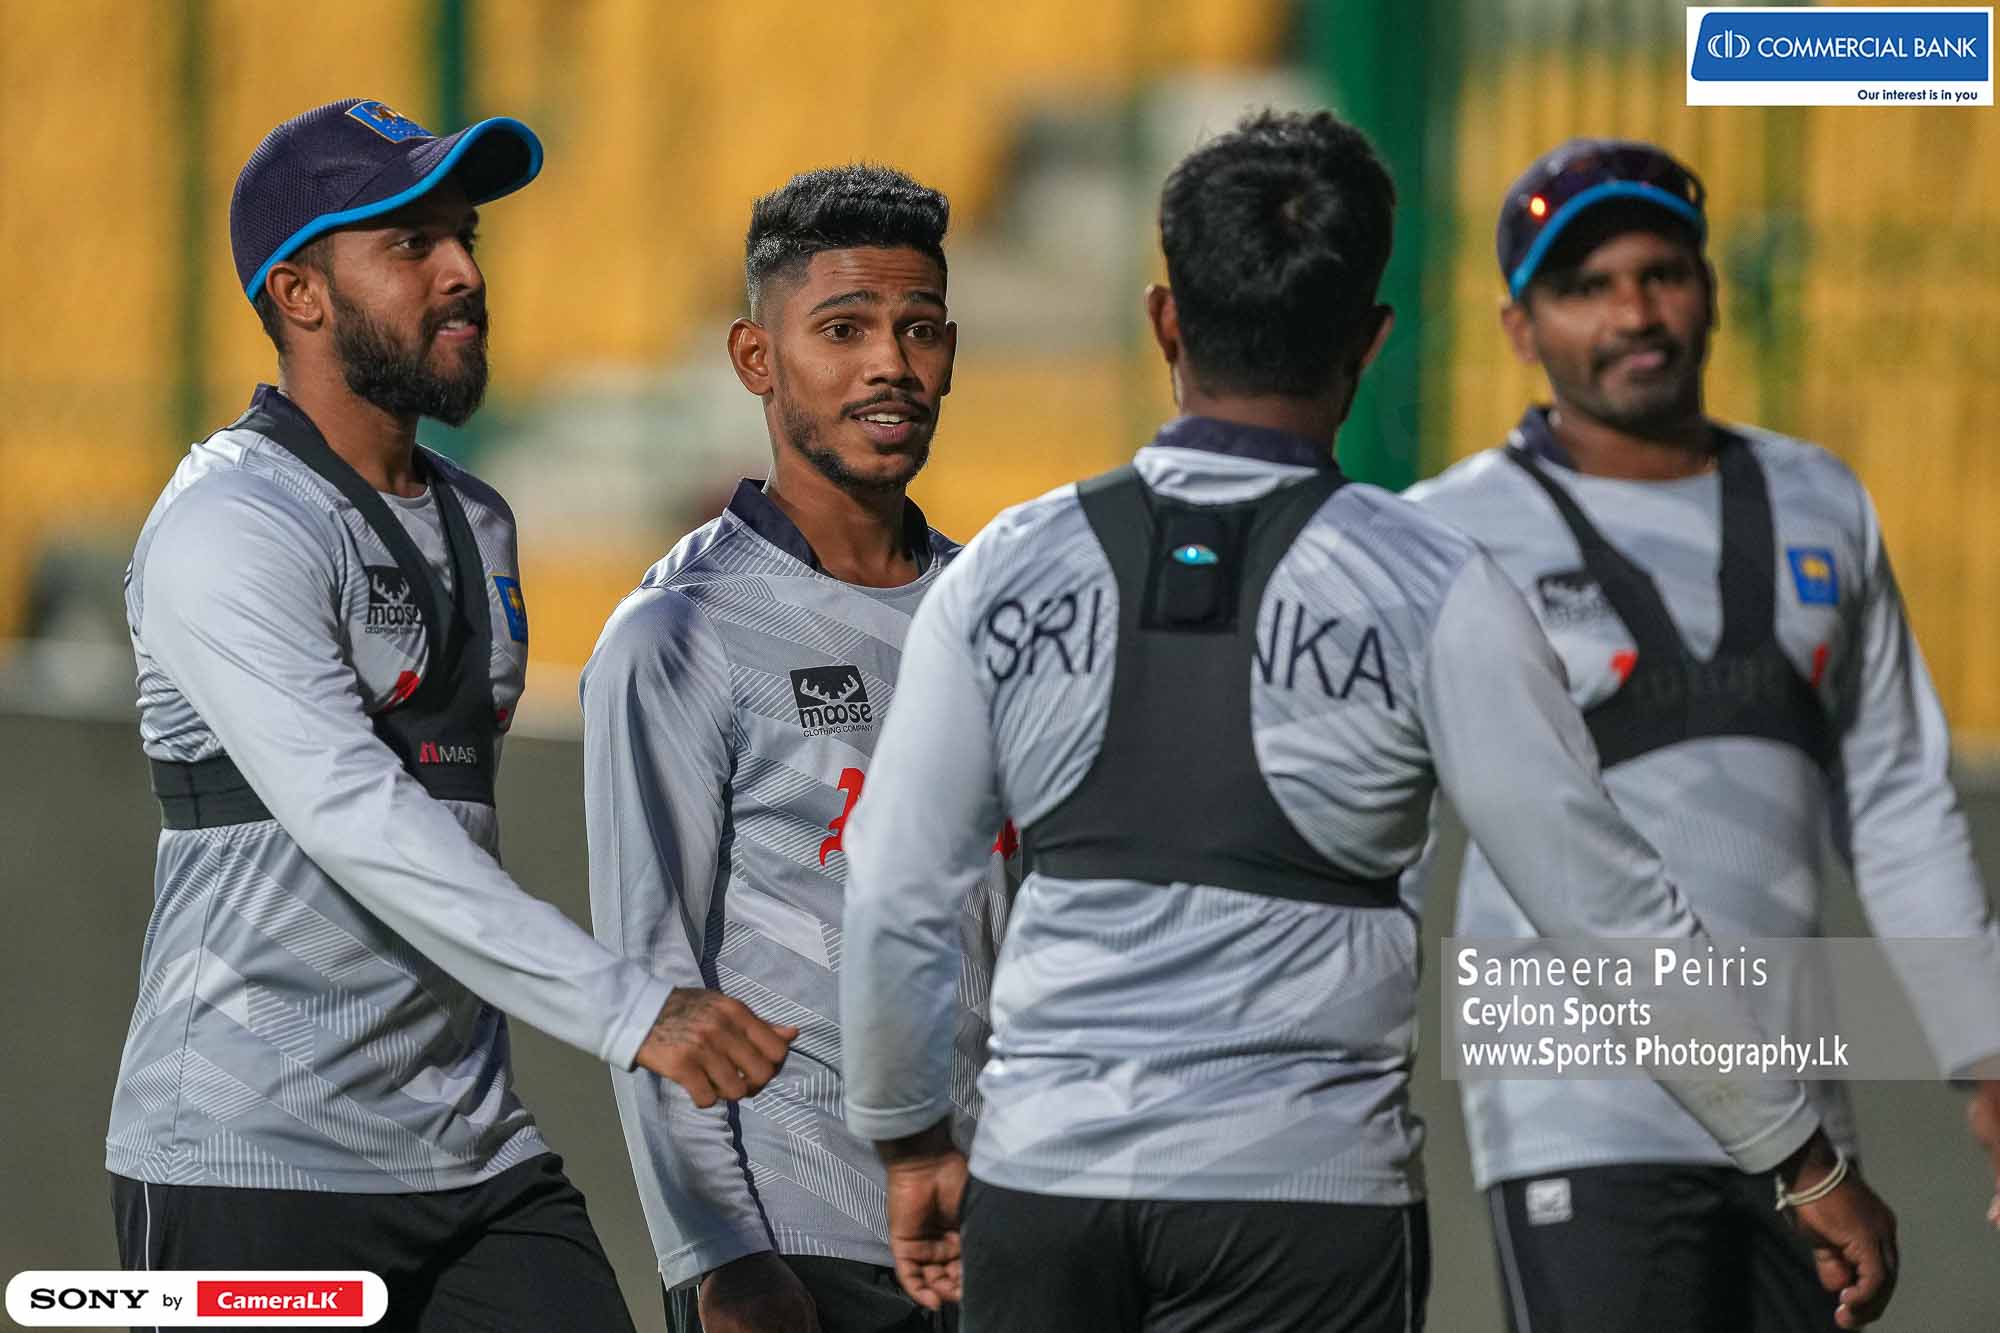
(731, 711)
(1192, 1041)
(321, 996)
(1746, 825)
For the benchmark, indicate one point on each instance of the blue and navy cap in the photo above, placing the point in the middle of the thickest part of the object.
(352, 160)
(1567, 181)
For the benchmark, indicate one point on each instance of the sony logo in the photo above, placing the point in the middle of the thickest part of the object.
(85, 1298)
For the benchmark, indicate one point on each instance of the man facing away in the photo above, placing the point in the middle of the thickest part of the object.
(1217, 689)
(1722, 602)
(731, 711)
(331, 638)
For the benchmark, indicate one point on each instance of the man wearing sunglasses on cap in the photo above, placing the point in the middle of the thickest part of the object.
(1722, 602)
(331, 639)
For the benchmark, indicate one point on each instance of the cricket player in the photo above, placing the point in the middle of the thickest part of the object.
(731, 711)
(1217, 689)
(331, 639)
(1722, 602)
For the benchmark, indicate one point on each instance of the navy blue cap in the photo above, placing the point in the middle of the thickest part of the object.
(1568, 180)
(355, 159)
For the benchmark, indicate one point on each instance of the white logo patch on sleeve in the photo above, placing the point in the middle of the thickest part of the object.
(1548, 1202)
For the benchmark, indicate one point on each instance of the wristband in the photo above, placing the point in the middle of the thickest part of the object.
(1827, 1185)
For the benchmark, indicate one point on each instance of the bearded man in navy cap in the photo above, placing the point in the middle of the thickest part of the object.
(331, 638)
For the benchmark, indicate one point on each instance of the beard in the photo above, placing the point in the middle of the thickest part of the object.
(802, 432)
(1649, 407)
(399, 379)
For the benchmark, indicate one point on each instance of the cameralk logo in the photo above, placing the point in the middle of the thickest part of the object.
(195, 1298)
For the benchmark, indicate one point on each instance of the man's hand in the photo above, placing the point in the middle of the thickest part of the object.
(1852, 1233)
(1983, 1115)
(758, 1293)
(714, 1046)
(926, 1184)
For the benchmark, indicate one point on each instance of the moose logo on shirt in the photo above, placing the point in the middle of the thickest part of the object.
(391, 607)
(832, 700)
(1572, 597)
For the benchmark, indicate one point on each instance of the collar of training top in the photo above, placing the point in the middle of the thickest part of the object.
(1215, 436)
(769, 522)
(1535, 435)
(271, 400)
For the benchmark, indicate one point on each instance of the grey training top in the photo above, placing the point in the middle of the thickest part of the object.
(731, 710)
(1744, 824)
(320, 997)
(1193, 1041)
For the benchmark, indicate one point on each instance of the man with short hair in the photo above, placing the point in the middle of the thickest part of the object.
(730, 715)
(1722, 602)
(1217, 689)
(331, 639)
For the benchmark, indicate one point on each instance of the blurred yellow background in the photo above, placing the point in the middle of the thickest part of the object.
(1861, 309)
(1861, 293)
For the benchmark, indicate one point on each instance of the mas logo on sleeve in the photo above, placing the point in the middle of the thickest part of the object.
(392, 608)
(514, 606)
(1813, 575)
(831, 700)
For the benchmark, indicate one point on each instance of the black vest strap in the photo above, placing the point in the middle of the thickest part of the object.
(292, 430)
(206, 794)
(1176, 794)
(1748, 687)
(444, 731)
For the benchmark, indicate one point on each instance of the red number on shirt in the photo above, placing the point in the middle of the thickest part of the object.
(1006, 844)
(850, 782)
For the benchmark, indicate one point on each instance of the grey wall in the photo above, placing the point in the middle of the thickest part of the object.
(76, 844)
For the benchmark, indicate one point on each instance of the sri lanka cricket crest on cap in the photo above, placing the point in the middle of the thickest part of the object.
(388, 122)
(1813, 575)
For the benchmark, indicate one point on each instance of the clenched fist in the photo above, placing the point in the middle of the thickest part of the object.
(714, 1046)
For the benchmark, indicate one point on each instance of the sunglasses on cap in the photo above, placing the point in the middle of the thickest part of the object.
(1563, 184)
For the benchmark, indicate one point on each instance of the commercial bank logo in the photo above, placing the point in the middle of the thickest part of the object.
(1840, 56)
(1727, 45)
